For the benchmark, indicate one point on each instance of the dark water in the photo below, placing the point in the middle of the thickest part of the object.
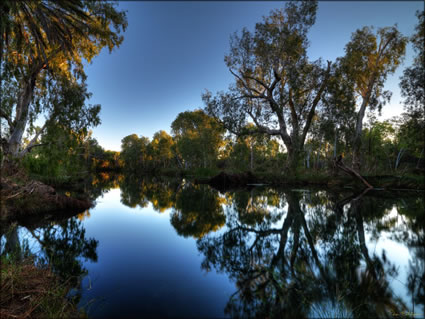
(173, 249)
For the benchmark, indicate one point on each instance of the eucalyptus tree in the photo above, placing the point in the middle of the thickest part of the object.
(248, 151)
(413, 79)
(44, 45)
(135, 152)
(413, 90)
(276, 86)
(198, 138)
(162, 148)
(369, 58)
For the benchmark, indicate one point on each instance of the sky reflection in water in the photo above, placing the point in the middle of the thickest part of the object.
(186, 250)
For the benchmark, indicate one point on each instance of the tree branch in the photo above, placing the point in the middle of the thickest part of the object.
(261, 128)
(338, 162)
(33, 141)
(294, 116)
(258, 81)
(7, 118)
(245, 85)
(315, 102)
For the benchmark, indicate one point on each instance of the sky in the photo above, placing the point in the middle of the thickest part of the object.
(173, 51)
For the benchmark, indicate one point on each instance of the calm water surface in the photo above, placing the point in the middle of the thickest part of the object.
(174, 249)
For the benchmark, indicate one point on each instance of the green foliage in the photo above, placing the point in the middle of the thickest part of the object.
(412, 84)
(198, 138)
(65, 155)
(134, 152)
(276, 86)
(413, 79)
(43, 48)
(162, 149)
(197, 212)
(369, 59)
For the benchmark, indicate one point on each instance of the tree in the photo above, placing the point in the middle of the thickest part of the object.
(198, 138)
(369, 59)
(248, 151)
(413, 90)
(134, 151)
(276, 86)
(43, 46)
(197, 211)
(413, 79)
(162, 144)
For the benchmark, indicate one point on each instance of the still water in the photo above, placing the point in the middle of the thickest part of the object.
(167, 248)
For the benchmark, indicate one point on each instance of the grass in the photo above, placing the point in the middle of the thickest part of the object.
(29, 291)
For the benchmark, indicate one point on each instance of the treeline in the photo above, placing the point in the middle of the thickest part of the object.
(283, 113)
(199, 142)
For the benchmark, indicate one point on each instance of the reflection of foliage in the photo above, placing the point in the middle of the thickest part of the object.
(198, 211)
(64, 244)
(132, 191)
(413, 233)
(100, 183)
(254, 206)
(140, 191)
(316, 263)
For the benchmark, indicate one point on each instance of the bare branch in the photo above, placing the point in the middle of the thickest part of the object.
(33, 141)
(7, 118)
(258, 81)
(245, 85)
(261, 128)
(315, 101)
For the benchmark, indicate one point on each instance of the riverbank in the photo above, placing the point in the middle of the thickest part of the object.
(25, 197)
(30, 291)
(225, 180)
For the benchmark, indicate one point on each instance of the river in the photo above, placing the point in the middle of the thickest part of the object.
(170, 248)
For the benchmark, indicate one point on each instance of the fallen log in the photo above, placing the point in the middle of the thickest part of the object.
(338, 163)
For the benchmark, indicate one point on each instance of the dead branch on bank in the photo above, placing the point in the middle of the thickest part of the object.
(338, 163)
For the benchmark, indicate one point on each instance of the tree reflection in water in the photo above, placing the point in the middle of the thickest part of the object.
(295, 253)
(312, 263)
(196, 209)
(290, 253)
(63, 246)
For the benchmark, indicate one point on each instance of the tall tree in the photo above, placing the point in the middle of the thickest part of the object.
(161, 145)
(369, 58)
(198, 138)
(134, 152)
(43, 45)
(413, 90)
(276, 86)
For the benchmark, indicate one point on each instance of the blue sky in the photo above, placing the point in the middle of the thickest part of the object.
(173, 51)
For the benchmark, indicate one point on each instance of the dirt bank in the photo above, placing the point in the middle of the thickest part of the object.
(225, 181)
(21, 197)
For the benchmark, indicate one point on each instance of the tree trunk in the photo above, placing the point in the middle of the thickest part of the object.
(22, 112)
(308, 157)
(292, 162)
(419, 159)
(357, 141)
(252, 157)
(400, 154)
(335, 142)
(338, 163)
